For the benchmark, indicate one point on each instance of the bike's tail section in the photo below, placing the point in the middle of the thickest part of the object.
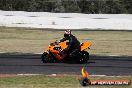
(85, 45)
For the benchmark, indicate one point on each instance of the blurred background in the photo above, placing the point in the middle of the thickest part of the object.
(69, 6)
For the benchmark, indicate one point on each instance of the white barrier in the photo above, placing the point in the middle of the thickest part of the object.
(66, 20)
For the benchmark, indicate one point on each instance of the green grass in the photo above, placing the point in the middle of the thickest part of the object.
(52, 82)
(36, 41)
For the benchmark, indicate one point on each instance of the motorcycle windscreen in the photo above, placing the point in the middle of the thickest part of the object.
(85, 45)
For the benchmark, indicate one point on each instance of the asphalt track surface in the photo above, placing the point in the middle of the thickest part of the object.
(31, 64)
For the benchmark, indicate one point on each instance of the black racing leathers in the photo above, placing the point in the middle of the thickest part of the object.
(73, 43)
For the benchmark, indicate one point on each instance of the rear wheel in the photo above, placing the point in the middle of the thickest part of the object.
(84, 57)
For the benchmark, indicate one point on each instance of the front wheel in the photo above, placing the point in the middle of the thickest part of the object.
(45, 57)
(48, 58)
(84, 57)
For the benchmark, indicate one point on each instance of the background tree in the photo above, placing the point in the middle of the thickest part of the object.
(59, 7)
(69, 6)
(128, 5)
(32, 5)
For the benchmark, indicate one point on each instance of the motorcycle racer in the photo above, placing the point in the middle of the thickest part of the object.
(72, 44)
(68, 50)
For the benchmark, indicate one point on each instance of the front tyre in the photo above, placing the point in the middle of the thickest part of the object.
(48, 58)
(44, 57)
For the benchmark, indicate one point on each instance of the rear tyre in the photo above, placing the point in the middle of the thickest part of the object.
(84, 57)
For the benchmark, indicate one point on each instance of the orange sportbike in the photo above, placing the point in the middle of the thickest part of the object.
(54, 53)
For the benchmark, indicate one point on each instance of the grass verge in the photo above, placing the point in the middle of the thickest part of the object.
(52, 82)
(36, 41)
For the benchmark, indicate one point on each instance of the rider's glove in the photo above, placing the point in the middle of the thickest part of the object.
(57, 42)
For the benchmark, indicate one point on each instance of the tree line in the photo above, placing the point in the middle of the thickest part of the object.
(69, 6)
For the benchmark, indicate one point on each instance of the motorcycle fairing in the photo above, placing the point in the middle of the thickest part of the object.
(85, 45)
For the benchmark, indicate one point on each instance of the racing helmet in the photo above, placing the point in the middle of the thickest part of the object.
(67, 33)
